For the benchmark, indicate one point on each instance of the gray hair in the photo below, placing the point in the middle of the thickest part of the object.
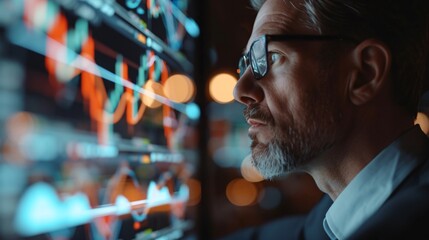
(403, 25)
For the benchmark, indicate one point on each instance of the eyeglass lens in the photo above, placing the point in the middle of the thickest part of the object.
(242, 64)
(256, 57)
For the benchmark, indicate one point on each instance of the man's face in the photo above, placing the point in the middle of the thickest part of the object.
(293, 111)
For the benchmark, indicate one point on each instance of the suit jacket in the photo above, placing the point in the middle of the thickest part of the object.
(404, 215)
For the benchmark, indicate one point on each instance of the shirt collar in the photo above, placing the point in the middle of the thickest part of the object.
(370, 188)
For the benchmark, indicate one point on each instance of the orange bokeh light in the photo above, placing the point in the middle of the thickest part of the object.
(249, 172)
(221, 87)
(241, 192)
(179, 88)
(155, 88)
(423, 120)
(194, 191)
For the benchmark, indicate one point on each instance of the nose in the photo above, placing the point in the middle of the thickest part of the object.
(247, 90)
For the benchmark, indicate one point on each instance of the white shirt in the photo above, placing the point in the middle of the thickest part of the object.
(371, 187)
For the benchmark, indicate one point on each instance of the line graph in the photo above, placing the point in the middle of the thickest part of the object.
(99, 91)
(60, 44)
(41, 210)
(175, 21)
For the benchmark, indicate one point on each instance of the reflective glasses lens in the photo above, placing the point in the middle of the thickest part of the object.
(242, 65)
(258, 58)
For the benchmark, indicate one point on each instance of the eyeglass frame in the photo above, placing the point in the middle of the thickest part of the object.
(247, 60)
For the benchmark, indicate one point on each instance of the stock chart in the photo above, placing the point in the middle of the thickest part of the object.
(98, 135)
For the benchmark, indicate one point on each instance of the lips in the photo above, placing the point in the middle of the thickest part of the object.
(260, 123)
(256, 126)
(255, 122)
(259, 119)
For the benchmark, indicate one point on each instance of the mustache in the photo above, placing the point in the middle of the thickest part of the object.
(255, 111)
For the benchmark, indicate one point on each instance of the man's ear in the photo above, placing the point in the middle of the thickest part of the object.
(372, 62)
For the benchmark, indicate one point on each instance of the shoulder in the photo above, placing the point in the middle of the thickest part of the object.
(404, 216)
(284, 228)
(289, 228)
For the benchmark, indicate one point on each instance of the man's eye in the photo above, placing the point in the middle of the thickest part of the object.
(274, 57)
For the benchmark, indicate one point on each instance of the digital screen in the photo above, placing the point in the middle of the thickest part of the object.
(98, 119)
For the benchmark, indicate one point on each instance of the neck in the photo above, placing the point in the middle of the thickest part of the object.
(359, 144)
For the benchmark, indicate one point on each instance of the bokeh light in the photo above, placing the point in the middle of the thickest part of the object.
(221, 87)
(18, 128)
(155, 88)
(194, 191)
(179, 88)
(20, 125)
(193, 111)
(249, 172)
(241, 192)
(423, 120)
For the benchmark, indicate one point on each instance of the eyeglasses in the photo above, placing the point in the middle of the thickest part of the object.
(257, 57)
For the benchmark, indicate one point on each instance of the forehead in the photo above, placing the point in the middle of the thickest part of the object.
(278, 17)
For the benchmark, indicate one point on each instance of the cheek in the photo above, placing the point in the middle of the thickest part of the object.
(286, 98)
(282, 102)
(294, 90)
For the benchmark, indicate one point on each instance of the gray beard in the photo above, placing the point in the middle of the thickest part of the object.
(270, 160)
(294, 149)
(276, 158)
